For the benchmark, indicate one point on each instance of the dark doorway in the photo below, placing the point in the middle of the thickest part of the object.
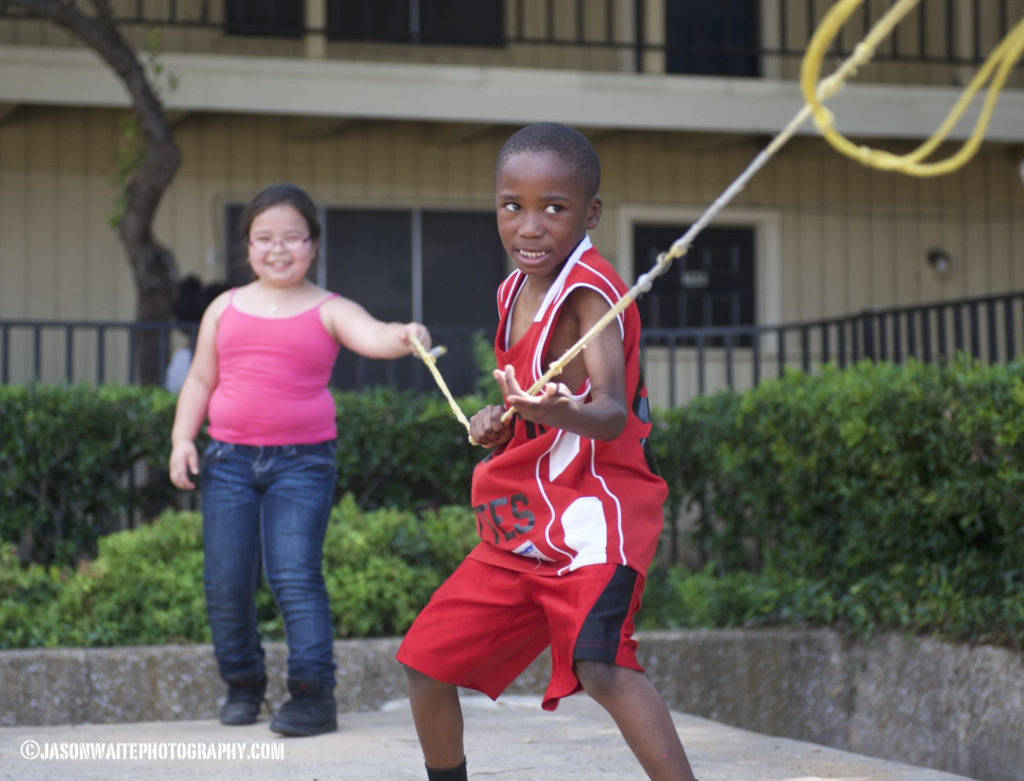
(713, 284)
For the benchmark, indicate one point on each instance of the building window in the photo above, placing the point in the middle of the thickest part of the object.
(712, 37)
(461, 22)
(712, 285)
(283, 18)
(436, 266)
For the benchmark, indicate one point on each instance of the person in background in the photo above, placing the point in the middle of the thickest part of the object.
(188, 306)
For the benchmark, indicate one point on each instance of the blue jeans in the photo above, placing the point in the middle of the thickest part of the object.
(268, 506)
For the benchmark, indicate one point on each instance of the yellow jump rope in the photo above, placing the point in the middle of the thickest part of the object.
(815, 92)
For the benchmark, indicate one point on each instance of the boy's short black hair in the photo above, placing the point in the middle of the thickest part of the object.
(570, 145)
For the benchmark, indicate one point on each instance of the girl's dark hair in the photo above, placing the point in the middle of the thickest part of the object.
(274, 195)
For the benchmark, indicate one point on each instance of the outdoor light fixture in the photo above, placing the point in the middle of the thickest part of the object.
(939, 260)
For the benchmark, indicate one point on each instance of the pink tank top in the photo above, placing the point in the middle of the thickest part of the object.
(272, 379)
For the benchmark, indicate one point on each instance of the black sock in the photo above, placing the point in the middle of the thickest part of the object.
(451, 774)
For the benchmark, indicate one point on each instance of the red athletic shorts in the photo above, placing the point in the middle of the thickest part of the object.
(486, 624)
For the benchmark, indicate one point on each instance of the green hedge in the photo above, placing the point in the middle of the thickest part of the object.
(73, 461)
(78, 462)
(399, 449)
(880, 495)
(146, 584)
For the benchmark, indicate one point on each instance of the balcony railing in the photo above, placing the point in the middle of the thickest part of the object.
(758, 38)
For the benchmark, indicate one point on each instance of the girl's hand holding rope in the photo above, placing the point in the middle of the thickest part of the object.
(430, 359)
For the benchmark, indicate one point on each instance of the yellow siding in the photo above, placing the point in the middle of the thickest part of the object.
(849, 238)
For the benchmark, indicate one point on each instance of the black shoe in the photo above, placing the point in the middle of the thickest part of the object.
(245, 696)
(310, 711)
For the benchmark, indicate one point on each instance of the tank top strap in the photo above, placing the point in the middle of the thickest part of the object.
(330, 294)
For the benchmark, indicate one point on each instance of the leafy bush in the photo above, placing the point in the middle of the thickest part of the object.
(69, 455)
(878, 495)
(146, 584)
(916, 600)
(78, 461)
(145, 587)
(27, 598)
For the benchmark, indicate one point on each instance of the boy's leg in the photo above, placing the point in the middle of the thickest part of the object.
(478, 631)
(438, 717)
(591, 611)
(641, 716)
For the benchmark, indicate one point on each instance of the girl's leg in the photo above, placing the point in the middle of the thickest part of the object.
(438, 717)
(641, 716)
(231, 563)
(299, 489)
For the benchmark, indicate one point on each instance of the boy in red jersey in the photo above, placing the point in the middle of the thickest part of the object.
(568, 508)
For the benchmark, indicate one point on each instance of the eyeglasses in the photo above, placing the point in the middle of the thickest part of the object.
(292, 241)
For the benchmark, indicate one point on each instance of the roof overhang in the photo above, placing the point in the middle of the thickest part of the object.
(459, 93)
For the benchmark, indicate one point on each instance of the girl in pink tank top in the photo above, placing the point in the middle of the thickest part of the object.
(263, 357)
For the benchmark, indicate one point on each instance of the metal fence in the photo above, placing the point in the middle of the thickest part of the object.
(679, 363)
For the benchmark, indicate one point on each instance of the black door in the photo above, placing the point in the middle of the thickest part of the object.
(713, 284)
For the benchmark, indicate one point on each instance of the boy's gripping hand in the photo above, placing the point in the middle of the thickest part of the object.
(486, 428)
(547, 407)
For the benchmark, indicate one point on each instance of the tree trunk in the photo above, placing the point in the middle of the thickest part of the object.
(153, 266)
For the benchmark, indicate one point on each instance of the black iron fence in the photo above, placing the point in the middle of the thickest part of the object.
(682, 363)
(678, 363)
(100, 352)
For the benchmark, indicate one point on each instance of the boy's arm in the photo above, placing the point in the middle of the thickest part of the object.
(603, 361)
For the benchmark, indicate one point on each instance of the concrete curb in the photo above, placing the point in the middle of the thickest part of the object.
(924, 702)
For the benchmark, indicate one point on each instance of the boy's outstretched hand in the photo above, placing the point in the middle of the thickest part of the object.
(543, 408)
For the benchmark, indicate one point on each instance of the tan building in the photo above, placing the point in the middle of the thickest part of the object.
(391, 113)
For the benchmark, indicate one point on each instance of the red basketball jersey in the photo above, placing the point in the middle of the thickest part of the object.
(553, 500)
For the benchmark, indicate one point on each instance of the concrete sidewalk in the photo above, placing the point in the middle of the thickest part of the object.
(512, 739)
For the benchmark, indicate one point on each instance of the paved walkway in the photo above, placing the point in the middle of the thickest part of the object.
(511, 740)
